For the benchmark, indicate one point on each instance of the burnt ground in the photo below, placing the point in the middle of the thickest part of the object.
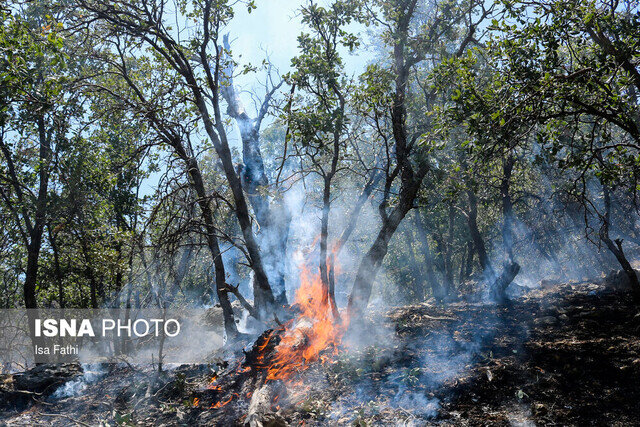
(568, 354)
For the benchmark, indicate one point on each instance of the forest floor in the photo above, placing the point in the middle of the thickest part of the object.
(564, 354)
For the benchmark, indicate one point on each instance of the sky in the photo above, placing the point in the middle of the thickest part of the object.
(273, 26)
(273, 29)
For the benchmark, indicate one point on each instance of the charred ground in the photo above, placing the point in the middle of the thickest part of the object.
(563, 354)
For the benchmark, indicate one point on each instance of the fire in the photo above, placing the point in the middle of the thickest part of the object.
(313, 336)
(222, 403)
(308, 337)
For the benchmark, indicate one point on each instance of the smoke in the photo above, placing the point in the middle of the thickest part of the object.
(91, 373)
(412, 358)
(418, 403)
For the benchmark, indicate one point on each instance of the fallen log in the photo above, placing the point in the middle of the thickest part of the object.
(261, 413)
(19, 390)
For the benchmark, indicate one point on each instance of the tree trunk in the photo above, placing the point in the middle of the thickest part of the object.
(253, 179)
(35, 235)
(507, 206)
(31, 274)
(263, 296)
(214, 248)
(440, 262)
(56, 265)
(180, 272)
(616, 249)
(437, 289)
(616, 246)
(329, 282)
(348, 230)
(370, 264)
(511, 268)
(368, 269)
(328, 285)
(501, 284)
(476, 236)
(448, 248)
(274, 227)
(469, 267)
(88, 271)
(463, 263)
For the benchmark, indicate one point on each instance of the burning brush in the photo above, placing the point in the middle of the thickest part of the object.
(278, 357)
(313, 335)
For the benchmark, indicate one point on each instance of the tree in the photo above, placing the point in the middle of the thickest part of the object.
(318, 123)
(410, 44)
(270, 212)
(565, 76)
(37, 104)
(197, 63)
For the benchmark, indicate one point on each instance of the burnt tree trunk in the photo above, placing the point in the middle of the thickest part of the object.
(273, 217)
(511, 268)
(476, 236)
(615, 246)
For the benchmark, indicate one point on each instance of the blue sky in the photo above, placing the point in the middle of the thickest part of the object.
(274, 27)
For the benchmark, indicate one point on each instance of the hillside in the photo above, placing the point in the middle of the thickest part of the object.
(564, 354)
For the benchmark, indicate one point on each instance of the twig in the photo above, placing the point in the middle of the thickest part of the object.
(275, 318)
(42, 402)
(437, 318)
(31, 393)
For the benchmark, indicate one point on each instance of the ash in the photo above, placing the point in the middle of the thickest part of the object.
(564, 354)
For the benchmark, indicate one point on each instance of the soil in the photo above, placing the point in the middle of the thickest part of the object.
(563, 354)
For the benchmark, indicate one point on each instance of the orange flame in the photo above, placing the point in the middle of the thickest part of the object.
(306, 339)
(313, 333)
(196, 402)
(222, 403)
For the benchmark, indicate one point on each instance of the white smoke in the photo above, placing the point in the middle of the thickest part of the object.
(92, 372)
